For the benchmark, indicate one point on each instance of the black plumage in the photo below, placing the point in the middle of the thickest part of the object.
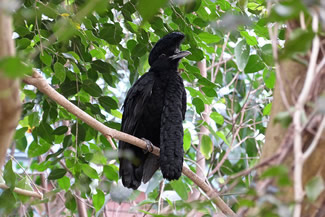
(154, 109)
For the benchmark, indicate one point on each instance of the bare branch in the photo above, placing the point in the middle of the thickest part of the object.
(23, 191)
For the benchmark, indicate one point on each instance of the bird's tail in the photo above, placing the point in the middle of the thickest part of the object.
(171, 132)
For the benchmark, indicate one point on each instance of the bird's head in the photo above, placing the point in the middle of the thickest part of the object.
(168, 49)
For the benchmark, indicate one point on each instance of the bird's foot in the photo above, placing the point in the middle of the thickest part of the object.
(149, 145)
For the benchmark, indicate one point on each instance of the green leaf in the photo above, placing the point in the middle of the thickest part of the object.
(206, 146)
(36, 149)
(148, 8)
(199, 105)
(246, 202)
(191, 6)
(24, 183)
(269, 78)
(102, 67)
(72, 56)
(110, 173)
(286, 10)
(69, 88)
(210, 92)
(209, 38)
(197, 54)
(251, 40)
(67, 141)
(23, 43)
(242, 4)
(139, 50)
(242, 54)
(254, 64)
(60, 130)
(280, 172)
(9, 175)
(45, 131)
(299, 42)
(33, 119)
(14, 68)
(70, 201)
(59, 71)
(20, 133)
(98, 199)
(57, 174)
(180, 188)
(46, 58)
(107, 102)
(315, 187)
(218, 118)
(99, 158)
(112, 33)
(92, 88)
(222, 136)
(267, 109)
(261, 28)
(89, 171)
(224, 5)
(64, 183)
(81, 131)
(7, 202)
(267, 54)
(205, 82)
(187, 140)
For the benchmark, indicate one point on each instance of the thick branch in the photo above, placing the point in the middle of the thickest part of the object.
(41, 84)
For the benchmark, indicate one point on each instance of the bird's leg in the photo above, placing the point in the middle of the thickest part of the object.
(149, 145)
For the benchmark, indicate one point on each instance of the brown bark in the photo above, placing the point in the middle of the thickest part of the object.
(293, 76)
(10, 105)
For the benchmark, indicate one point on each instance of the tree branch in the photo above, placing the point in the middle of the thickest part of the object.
(23, 191)
(41, 84)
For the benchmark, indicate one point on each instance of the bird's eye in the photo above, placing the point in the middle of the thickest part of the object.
(162, 55)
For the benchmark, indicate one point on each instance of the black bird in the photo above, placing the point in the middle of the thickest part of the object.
(154, 109)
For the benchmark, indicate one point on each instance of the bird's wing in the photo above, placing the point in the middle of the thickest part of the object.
(131, 170)
(135, 101)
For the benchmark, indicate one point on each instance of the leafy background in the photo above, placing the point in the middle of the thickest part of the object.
(93, 51)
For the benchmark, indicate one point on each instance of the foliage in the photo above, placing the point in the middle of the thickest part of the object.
(92, 51)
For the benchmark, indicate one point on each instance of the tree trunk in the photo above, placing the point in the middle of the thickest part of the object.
(10, 105)
(293, 78)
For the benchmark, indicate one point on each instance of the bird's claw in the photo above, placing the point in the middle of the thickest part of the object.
(148, 144)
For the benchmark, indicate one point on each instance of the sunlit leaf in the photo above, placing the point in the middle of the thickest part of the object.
(89, 171)
(98, 199)
(206, 146)
(209, 38)
(180, 187)
(242, 54)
